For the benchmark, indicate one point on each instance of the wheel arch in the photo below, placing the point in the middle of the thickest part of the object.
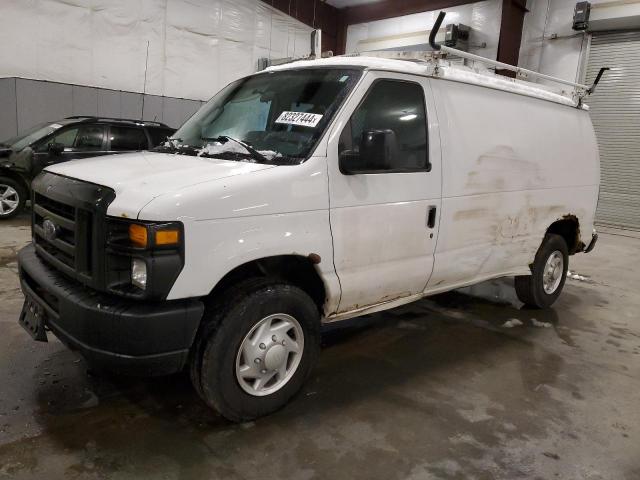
(568, 227)
(8, 173)
(298, 270)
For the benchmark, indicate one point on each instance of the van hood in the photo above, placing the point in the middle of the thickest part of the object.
(137, 178)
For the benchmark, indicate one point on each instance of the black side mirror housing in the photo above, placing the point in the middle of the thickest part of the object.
(55, 148)
(378, 149)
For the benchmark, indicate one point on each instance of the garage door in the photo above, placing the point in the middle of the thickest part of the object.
(615, 111)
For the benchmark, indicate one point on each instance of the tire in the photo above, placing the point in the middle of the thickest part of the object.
(222, 373)
(531, 288)
(13, 196)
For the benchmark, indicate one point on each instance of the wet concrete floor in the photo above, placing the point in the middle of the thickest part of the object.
(437, 389)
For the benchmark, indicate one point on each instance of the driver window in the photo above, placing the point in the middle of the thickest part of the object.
(66, 139)
(391, 117)
(86, 137)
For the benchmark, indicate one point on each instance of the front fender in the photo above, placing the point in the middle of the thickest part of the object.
(215, 247)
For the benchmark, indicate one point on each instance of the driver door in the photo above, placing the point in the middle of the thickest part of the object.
(384, 209)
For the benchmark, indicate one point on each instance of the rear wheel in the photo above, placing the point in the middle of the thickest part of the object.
(259, 351)
(12, 198)
(548, 274)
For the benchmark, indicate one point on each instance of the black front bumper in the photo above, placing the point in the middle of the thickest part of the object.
(127, 336)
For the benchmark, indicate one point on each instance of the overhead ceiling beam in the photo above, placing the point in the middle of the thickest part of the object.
(513, 12)
(371, 12)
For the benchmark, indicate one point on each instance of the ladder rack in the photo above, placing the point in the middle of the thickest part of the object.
(580, 90)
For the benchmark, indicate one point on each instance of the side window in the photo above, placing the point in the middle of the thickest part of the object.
(388, 131)
(85, 137)
(66, 138)
(89, 137)
(127, 138)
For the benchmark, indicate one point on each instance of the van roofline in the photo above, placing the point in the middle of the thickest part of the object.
(440, 69)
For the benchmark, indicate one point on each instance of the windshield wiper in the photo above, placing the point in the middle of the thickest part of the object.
(256, 155)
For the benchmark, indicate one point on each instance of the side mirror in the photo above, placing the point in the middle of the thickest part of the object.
(378, 149)
(55, 148)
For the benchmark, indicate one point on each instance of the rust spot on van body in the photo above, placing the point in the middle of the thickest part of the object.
(314, 258)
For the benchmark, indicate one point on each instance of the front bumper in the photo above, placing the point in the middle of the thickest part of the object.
(127, 336)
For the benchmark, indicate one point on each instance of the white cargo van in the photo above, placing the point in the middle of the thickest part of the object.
(308, 193)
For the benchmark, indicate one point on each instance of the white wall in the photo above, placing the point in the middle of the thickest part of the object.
(566, 55)
(195, 46)
(483, 17)
(559, 57)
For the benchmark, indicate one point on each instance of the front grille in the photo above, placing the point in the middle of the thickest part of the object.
(77, 210)
(60, 250)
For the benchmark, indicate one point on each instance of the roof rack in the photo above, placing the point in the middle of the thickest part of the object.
(580, 90)
(128, 120)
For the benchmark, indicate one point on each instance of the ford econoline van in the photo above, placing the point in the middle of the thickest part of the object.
(309, 193)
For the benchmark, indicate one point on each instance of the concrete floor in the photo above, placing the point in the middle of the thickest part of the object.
(437, 389)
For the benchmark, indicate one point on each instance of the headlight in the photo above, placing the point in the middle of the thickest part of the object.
(143, 258)
(139, 273)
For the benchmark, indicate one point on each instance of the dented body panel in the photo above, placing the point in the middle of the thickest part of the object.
(512, 166)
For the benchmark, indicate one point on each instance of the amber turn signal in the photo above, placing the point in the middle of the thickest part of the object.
(167, 237)
(138, 235)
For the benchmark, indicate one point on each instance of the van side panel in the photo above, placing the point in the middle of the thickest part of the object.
(512, 165)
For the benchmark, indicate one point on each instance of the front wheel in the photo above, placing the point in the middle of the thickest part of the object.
(261, 350)
(12, 198)
(548, 274)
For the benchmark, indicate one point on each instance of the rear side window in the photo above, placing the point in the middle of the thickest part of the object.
(159, 135)
(395, 109)
(127, 138)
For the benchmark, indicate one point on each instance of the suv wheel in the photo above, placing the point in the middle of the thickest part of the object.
(12, 198)
(260, 348)
(548, 274)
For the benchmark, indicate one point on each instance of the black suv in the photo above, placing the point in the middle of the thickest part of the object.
(24, 156)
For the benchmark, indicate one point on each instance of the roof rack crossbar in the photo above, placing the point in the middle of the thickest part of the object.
(581, 89)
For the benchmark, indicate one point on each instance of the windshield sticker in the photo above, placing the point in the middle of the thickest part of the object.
(55, 125)
(299, 118)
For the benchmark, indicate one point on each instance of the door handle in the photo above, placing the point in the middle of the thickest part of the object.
(431, 216)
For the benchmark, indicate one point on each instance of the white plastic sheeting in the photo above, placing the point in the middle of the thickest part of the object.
(195, 46)
(484, 18)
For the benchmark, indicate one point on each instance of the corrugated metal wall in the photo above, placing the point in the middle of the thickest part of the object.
(26, 103)
(615, 111)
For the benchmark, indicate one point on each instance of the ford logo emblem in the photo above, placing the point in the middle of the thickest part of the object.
(50, 230)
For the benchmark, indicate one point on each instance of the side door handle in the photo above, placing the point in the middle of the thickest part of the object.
(431, 216)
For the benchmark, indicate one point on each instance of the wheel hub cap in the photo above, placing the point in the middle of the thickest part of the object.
(552, 274)
(275, 357)
(269, 354)
(9, 199)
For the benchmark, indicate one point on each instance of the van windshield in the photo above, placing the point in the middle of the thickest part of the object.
(272, 117)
